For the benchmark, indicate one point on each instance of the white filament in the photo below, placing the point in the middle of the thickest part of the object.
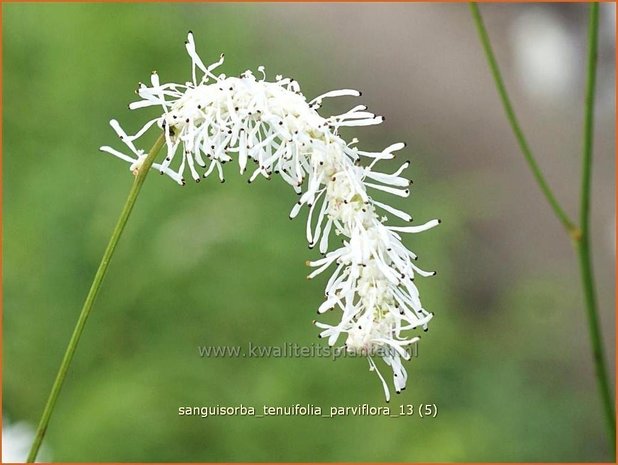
(213, 119)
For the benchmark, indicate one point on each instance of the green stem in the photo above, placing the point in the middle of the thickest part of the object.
(90, 298)
(583, 243)
(510, 113)
(581, 235)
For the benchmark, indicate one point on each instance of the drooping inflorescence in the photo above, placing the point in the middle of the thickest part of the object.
(214, 118)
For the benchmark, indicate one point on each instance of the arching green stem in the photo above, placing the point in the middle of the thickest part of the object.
(90, 298)
(580, 235)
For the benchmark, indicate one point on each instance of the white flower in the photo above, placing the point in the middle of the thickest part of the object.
(16, 442)
(214, 119)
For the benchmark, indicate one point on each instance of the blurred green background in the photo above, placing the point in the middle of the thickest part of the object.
(507, 359)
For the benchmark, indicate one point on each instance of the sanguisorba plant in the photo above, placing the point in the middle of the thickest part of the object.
(271, 129)
(578, 232)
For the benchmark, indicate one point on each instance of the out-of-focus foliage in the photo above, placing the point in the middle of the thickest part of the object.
(216, 264)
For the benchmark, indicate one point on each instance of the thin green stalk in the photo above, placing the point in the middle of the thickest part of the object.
(510, 113)
(583, 243)
(581, 234)
(90, 298)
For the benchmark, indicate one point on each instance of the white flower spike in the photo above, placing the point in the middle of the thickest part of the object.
(215, 118)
